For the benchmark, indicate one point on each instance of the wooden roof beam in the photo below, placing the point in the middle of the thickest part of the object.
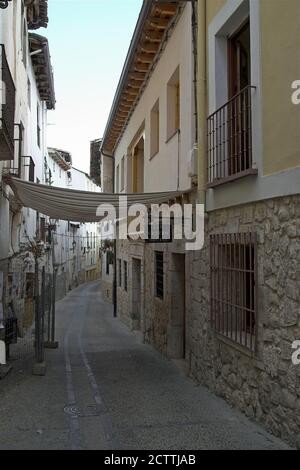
(141, 67)
(168, 9)
(159, 23)
(134, 84)
(145, 58)
(128, 100)
(122, 115)
(149, 48)
(137, 76)
(154, 36)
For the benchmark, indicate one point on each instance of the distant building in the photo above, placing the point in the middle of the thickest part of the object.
(77, 245)
(95, 162)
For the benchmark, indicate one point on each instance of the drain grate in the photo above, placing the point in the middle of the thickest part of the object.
(89, 411)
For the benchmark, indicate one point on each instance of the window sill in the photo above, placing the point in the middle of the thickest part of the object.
(238, 347)
(230, 179)
(154, 155)
(177, 132)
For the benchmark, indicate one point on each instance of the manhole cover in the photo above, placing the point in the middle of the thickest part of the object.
(87, 412)
(71, 410)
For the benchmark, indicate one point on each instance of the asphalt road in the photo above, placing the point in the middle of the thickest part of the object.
(105, 390)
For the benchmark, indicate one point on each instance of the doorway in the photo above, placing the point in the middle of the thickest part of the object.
(136, 293)
(177, 322)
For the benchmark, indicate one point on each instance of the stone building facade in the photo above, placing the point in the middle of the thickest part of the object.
(230, 312)
(260, 198)
(155, 152)
(264, 383)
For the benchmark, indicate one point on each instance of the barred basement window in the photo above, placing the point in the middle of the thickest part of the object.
(126, 276)
(120, 273)
(159, 272)
(233, 261)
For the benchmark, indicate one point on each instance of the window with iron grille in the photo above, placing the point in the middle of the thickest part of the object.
(43, 229)
(7, 109)
(159, 274)
(120, 273)
(109, 260)
(126, 276)
(38, 130)
(233, 260)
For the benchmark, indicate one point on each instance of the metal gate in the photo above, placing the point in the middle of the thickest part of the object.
(25, 311)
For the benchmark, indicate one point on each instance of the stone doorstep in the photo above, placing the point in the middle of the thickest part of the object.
(4, 371)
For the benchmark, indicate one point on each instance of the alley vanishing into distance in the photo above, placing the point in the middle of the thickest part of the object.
(105, 390)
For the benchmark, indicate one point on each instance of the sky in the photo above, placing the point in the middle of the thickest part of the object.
(89, 41)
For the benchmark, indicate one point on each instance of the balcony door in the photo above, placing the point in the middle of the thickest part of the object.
(239, 70)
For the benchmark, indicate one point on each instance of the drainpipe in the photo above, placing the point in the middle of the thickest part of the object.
(115, 301)
(202, 93)
(195, 56)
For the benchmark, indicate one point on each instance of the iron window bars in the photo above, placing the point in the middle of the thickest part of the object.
(233, 266)
(229, 140)
(125, 276)
(159, 273)
(7, 109)
(120, 273)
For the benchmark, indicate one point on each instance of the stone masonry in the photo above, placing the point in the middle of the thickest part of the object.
(264, 385)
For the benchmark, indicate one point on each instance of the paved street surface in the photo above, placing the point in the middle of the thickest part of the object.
(105, 390)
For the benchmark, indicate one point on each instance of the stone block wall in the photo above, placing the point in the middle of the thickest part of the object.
(264, 385)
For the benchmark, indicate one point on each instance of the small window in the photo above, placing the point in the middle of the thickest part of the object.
(120, 273)
(118, 179)
(159, 274)
(29, 93)
(154, 130)
(126, 276)
(233, 287)
(122, 173)
(43, 229)
(173, 104)
(38, 126)
(109, 260)
(24, 44)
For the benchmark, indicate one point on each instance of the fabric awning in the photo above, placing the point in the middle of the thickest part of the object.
(79, 206)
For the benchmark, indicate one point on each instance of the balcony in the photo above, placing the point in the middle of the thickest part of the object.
(7, 109)
(24, 171)
(229, 140)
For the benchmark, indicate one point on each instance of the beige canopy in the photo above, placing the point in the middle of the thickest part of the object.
(79, 206)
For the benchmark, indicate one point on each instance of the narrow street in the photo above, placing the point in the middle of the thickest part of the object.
(105, 390)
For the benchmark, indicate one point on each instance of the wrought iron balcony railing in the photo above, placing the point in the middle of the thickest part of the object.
(229, 140)
(26, 161)
(7, 109)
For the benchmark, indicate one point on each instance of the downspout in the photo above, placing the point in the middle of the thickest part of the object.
(202, 83)
(195, 57)
(115, 300)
